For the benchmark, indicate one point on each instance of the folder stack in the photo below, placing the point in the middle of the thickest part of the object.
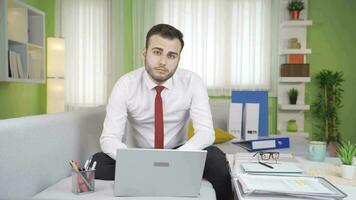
(286, 186)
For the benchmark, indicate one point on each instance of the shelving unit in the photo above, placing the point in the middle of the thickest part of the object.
(22, 39)
(295, 51)
(292, 29)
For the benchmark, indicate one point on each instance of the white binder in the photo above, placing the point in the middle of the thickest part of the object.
(250, 121)
(235, 120)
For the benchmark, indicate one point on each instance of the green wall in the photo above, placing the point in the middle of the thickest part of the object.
(19, 99)
(332, 39)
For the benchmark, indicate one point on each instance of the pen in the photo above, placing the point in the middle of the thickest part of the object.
(86, 165)
(94, 165)
(265, 164)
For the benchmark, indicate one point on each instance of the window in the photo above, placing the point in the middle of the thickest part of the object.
(227, 43)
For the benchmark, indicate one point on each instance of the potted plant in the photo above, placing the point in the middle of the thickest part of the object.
(325, 108)
(294, 8)
(293, 96)
(346, 152)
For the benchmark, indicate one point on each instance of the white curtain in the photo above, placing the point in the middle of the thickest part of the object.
(85, 25)
(228, 42)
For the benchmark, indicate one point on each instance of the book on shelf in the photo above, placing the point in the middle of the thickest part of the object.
(295, 59)
(19, 65)
(294, 70)
(13, 64)
(9, 65)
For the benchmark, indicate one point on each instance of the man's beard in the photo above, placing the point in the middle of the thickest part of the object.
(158, 79)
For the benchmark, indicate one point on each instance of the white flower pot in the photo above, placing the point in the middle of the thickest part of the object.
(348, 171)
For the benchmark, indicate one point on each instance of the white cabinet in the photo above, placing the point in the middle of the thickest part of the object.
(292, 30)
(22, 33)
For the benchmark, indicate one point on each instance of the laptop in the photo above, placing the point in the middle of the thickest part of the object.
(159, 172)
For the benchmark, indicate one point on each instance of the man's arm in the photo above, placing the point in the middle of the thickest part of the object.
(201, 116)
(115, 121)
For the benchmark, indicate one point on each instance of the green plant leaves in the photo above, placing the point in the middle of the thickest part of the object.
(325, 107)
(296, 5)
(346, 152)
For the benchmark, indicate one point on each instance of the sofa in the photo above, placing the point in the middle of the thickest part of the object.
(35, 150)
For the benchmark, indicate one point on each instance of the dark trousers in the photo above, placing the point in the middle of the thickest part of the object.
(216, 171)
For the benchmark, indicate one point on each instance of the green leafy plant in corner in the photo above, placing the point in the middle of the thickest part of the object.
(325, 107)
(295, 5)
(346, 152)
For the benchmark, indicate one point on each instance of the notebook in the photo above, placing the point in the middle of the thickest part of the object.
(159, 172)
(284, 167)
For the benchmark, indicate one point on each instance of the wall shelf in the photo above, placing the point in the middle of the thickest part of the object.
(34, 46)
(291, 23)
(22, 33)
(295, 51)
(294, 79)
(305, 134)
(293, 107)
(288, 30)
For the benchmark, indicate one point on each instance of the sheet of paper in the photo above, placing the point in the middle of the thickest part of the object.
(254, 167)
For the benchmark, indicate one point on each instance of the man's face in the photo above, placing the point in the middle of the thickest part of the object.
(161, 57)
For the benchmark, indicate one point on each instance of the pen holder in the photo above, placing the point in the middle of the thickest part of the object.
(83, 181)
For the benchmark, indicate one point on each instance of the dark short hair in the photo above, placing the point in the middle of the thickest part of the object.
(165, 31)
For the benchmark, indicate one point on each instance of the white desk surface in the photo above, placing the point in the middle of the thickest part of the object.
(104, 190)
(304, 163)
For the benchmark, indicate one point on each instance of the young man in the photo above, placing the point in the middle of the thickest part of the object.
(158, 100)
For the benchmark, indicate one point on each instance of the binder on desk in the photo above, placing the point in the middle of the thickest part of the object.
(235, 120)
(264, 144)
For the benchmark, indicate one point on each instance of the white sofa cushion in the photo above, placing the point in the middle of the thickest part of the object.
(35, 150)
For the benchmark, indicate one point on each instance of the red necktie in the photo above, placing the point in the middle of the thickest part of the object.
(159, 129)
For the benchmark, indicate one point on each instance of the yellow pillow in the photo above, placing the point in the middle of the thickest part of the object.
(220, 135)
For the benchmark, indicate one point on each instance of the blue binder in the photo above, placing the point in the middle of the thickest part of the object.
(260, 97)
(264, 144)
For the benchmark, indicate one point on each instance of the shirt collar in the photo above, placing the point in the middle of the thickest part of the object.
(151, 84)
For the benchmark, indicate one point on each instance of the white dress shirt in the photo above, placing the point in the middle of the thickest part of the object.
(133, 99)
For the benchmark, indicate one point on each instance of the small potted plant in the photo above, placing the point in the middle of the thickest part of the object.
(294, 8)
(346, 152)
(293, 96)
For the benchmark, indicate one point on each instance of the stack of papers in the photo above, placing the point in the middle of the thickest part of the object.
(255, 167)
(288, 186)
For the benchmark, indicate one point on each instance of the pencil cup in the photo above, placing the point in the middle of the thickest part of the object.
(83, 181)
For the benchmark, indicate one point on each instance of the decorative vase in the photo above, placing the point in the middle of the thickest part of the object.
(348, 171)
(317, 151)
(292, 126)
(294, 15)
(331, 149)
(293, 100)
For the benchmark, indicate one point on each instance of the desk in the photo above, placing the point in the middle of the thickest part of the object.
(104, 190)
(304, 163)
